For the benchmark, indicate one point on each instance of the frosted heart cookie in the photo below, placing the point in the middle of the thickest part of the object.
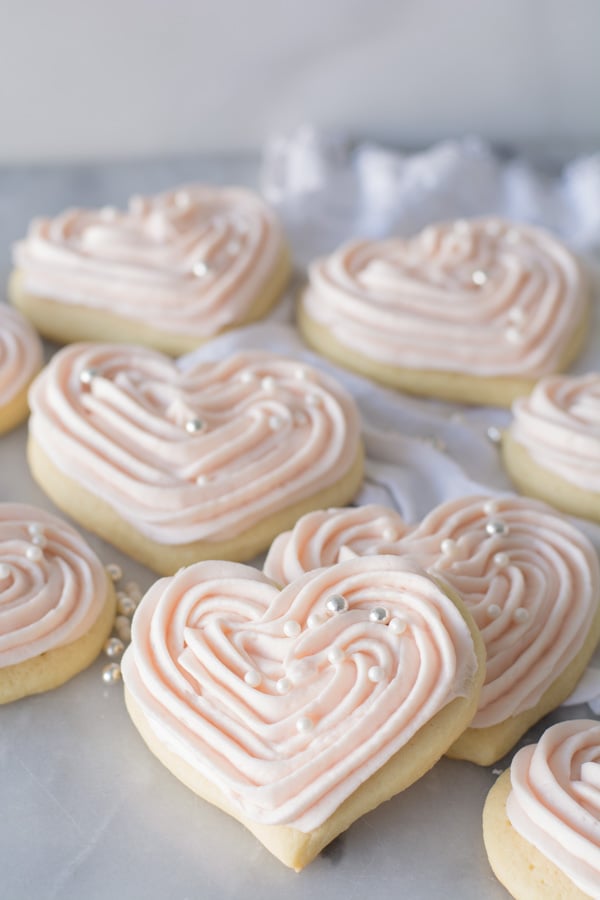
(552, 448)
(541, 821)
(174, 465)
(529, 578)
(475, 311)
(170, 272)
(57, 603)
(20, 359)
(297, 711)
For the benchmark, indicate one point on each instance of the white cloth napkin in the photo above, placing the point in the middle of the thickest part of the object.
(419, 452)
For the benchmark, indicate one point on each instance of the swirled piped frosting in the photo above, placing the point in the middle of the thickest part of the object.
(200, 454)
(52, 585)
(529, 578)
(20, 353)
(288, 701)
(190, 261)
(555, 799)
(483, 297)
(559, 426)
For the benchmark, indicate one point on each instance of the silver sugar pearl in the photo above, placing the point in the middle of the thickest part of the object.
(35, 529)
(376, 674)
(200, 268)
(111, 673)
(493, 434)
(34, 554)
(336, 655)
(494, 611)
(252, 678)
(379, 614)
(496, 527)
(283, 685)
(336, 604)
(192, 426)
(479, 277)
(291, 628)
(448, 546)
(268, 384)
(304, 724)
(501, 560)
(114, 571)
(123, 628)
(397, 626)
(126, 605)
(114, 647)
(86, 376)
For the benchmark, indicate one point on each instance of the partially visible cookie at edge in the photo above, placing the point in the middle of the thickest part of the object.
(21, 358)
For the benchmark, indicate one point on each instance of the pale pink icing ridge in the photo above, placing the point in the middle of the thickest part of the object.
(555, 799)
(49, 601)
(559, 426)
(483, 296)
(20, 353)
(272, 432)
(191, 260)
(198, 635)
(533, 604)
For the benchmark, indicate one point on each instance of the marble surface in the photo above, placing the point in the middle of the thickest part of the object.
(88, 812)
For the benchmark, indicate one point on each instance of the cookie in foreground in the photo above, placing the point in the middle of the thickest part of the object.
(175, 464)
(541, 820)
(169, 272)
(472, 310)
(297, 711)
(20, 360)
(529, 578)
(551, 449)
(57, 604)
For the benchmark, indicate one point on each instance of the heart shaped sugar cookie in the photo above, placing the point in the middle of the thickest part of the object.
(57, 604)
(297, 711)
(170, 272)
(529, 578)
(175, 465)
(475, 311)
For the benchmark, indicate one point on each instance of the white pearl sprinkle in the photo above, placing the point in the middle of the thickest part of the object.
(39, 540)
(379, 614)
(516, 315)
(490, 507)
(336, 655)
(247, 377)
(479, 277)
(111, 673)
(314, 620)
(389, 534)
(448, 547)
(336, 604)
(521, 615)
(114, 571)
(276, 422)
(268, 384)
(300, 373)
(126, 605)
(113, 647)
(397, 626)
(304, 724)
(200, 268)
(376, 674)
(201, 480)
(192, 426)
(496, 527)
(493, 434)
(252, 678)
(283, 685)
(134, 590)
(35, 529)
(34, 554)
(291, 628)
(86, 376)
(494, 611)
(123, 628)
(501, 560)
(4, 571)
(513, 335)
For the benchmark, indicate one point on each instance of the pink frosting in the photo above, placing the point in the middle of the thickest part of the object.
(285, 706)
(555, 799)
(484, 297)
(190, 261)
(269, 432)
(20, 353)
(533, 590)
(559, 426)
(52, 586)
